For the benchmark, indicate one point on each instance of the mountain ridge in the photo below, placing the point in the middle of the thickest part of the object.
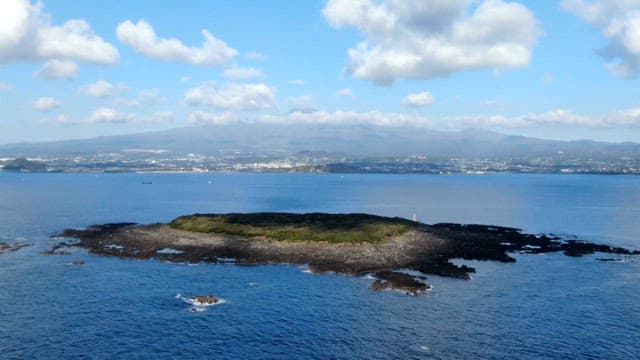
(349, 140)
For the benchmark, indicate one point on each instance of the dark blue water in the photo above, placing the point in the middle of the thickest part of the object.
(544, 306)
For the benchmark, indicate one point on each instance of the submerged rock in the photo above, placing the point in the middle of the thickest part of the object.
(6, 247)
(399, 281)
(55, 249)
(443, 267)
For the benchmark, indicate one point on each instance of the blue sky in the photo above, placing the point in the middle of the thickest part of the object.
(92, 68)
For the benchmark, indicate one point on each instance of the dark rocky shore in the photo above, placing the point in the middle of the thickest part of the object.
(427, 249)
(7, 247)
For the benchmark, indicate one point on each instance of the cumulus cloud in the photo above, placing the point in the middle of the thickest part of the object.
(241, 73)
(145, 97)
(58, 69)
(4, 87)
(143, 38)
(212, 118)
(112, 116)
(109, 115)
(99, 89)
(297, 82)
(419, 99)
(619, 22)
(233, 96)
(346, 117)
(417, 39)
(346, 92)
(629, 118)
(45, 104)
(26, 34)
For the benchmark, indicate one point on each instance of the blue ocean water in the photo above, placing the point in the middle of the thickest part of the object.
(544, 306)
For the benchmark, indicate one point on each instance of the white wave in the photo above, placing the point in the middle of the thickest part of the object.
(305, 269)
(197, 306)
(169, 251)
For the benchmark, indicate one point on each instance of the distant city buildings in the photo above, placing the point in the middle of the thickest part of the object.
(249, 162)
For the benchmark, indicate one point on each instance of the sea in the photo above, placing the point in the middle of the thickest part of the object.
(542, 307)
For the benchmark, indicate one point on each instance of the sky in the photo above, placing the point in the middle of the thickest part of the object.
(557, 69)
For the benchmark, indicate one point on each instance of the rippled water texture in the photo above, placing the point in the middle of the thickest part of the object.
(544, 306)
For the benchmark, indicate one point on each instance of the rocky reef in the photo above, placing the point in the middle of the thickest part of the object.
(204, 300)
(427, 249)
(399, 281)
(7, 247)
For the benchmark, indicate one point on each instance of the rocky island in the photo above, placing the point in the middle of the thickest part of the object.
(345, 243)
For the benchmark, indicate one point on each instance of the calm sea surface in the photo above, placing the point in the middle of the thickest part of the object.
(544, 306)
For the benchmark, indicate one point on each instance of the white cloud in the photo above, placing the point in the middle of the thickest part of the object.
(619, 22)
(145, 97)
(297, 82)
(4, 87)
(417, 39)
(302, 102)
(346, 92)
(109, 115)
(143, 38)
(559, 117)
(629, 118)
(212, 118)
(185, 79)
(99, 89)
(61, 119)
(58, 69)
(26, 34)
(233, 96)
(112, 116)
(419, 99)
(346, 117)
(242, 73)
(45, 104)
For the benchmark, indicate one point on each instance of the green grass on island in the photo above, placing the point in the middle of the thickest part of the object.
(331, 228)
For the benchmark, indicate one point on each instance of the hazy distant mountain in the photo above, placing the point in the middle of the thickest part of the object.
(351, 140)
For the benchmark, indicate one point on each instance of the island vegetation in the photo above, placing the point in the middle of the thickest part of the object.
(316, 227)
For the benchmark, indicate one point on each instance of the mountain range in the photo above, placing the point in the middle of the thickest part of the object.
(357, 141)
